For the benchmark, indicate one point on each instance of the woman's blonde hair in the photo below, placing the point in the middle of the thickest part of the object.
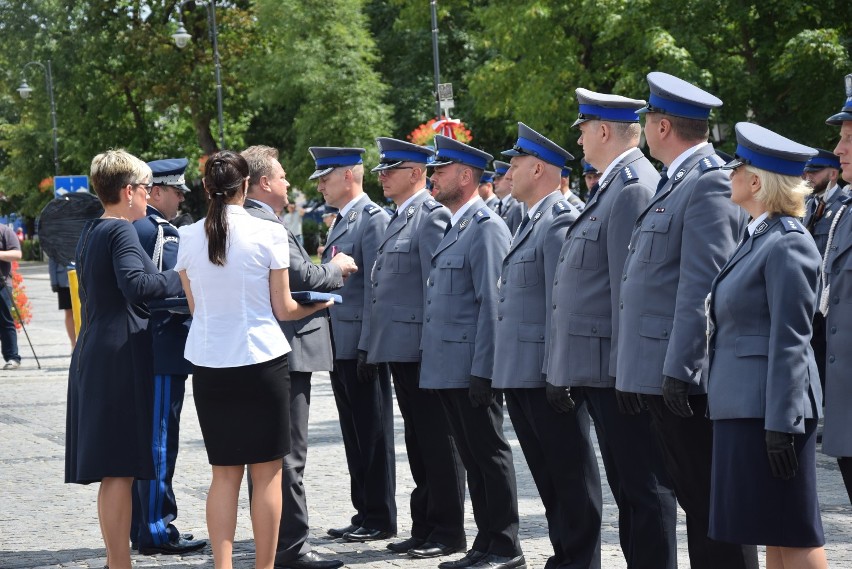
(114, 169)
(781, 194)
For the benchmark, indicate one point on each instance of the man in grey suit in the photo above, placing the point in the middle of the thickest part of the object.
(836, 305)
(458, 351)
(679, 243)
(310, 345)
(556, 445)
(510, 210)
(398, 284)
(582, 348)
(362, 390)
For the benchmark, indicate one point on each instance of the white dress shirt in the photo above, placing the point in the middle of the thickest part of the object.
(233, 324)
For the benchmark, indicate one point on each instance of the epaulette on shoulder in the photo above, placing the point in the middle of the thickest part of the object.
(431, 204)
(372, 209)
(846, 200)
(158, 220)
(792, 224)
(561, 206)
(483, 214)
(629, 175)
(712, 162)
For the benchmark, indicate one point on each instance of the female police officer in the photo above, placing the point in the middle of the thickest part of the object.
(764, 394)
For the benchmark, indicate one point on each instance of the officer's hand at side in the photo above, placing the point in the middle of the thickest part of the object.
(630, 403)
(480, 392)
(559, 398)
(676, 396)
(54, 288)
(782, 455)
(366, 372)
(346, 263)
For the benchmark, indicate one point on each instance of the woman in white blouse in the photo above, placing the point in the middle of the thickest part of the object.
(234, 272)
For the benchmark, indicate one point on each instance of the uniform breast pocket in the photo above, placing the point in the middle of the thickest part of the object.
(654, 238)
(398, 257)
(452, 278)
(585, 251)
(524, 269)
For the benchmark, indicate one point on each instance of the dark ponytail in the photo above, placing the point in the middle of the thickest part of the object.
(224, 177)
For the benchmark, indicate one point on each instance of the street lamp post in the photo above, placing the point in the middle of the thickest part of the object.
(25, 90)
(182, 37)
(435, 60)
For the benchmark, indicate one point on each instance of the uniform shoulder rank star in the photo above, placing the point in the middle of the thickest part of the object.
(410, 211)
(464, 222)
(560, 207)
(792, 224)
(482, 214)
(712, 162)
(431, 204)
(628, 175)
(369, 208)
(353, 215)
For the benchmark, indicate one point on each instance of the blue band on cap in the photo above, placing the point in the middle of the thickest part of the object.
(824, 161)
(771, 163)
(500, 171)
(679, 108)
(605, 113)
(347, 160)
(404, 155)
(463, 157)
(545, 154)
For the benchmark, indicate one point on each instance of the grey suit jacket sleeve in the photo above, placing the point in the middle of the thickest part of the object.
(711, 228)
(791, 271)
(305, 275)
(370, 241)
(490, 244)
(631, 202)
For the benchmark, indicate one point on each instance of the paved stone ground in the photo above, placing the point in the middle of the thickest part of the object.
(47, 524)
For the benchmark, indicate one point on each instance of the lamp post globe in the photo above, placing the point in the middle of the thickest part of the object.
(25, 90)
(181, 36)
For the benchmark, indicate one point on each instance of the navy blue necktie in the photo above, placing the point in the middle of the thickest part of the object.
(664, 177)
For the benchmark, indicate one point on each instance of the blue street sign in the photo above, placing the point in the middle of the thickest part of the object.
(69, 184)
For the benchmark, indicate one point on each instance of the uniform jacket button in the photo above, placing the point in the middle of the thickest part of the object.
(428, 319)
(554, 307)
(834, 329)
(499, 318)
(831, 359)
(541, 336)
(594, 330)
(665, 334)
(413, 317)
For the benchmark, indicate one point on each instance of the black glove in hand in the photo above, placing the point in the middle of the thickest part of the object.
(782, 455)
(480, 392)
(630, 403)
(559, 398)
(54, 288)
(366, 372)
(676, 396)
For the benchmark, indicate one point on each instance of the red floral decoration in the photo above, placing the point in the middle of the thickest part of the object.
(46, 185)
(19, 295)
(424, 135)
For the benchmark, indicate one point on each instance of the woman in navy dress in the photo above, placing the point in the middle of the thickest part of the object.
(108, 435)
(764, 394)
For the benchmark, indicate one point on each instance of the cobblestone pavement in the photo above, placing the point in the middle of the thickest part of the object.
(47, 524)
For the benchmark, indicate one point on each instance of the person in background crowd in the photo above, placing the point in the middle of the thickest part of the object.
(590, 177)
(362, 390)
(582, 350)
(565, 189)
(556, 445)
(679, 243)
(60, 285)
(398, 286)
(836, 306)
(510, 210)
(10, 250)
(310, 344)
(234, 273)
(764, 395)
(110, 393)
(486, 190)
(293, 221)
(154, 504)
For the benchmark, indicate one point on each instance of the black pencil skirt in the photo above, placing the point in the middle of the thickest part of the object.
(748, 505)
(244, 412)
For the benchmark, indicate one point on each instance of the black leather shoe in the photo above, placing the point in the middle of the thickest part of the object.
(406, 545)
(310, 560)
(187, 536)
(367, 534)
(338, 532)
(432, 549)
(176, 547)
(499, 562)
(469, 559)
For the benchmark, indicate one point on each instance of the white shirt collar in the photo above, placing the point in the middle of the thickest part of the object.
(829, 193)
(462, 210)
(531, 211)
(407, 202)
(505, 199)
(673, 167)
(755, 222)
(614, 162)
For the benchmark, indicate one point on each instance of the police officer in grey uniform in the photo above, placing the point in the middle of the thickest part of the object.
(565, 188)
(556, 445)
(823, 173)
(583, 343)
(310, 351)
(679, 243)
(510, 210)
(486, 190)
(154, 505)
(458, 351)
(398, 282)
(362, 390)
(836, 305)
